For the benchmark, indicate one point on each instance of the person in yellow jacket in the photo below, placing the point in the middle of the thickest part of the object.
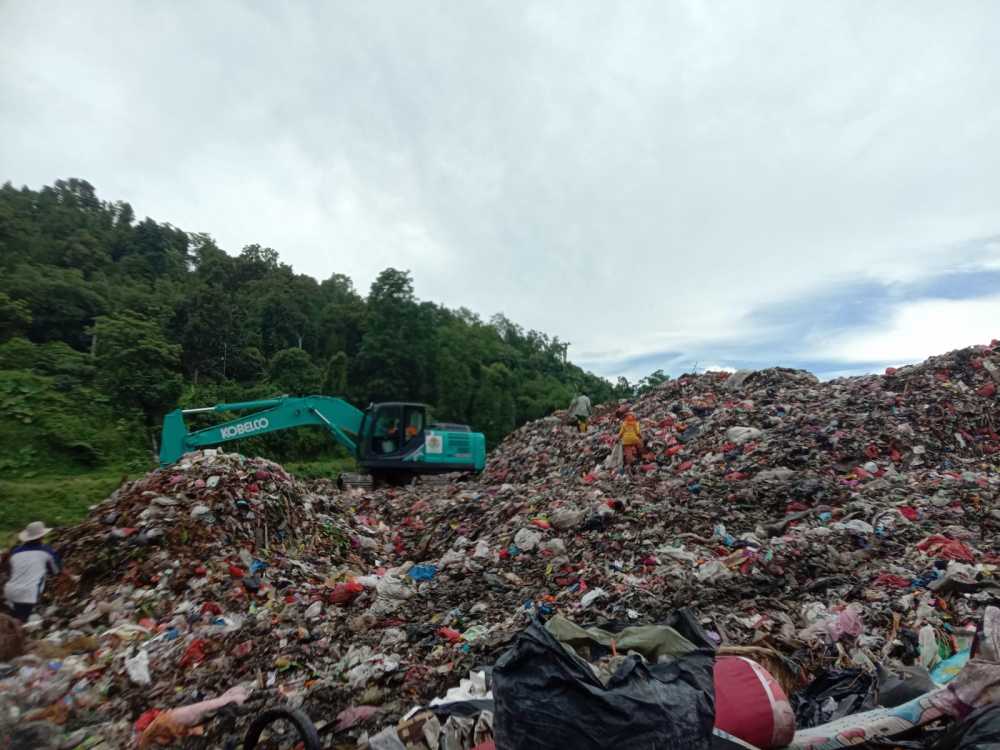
(631, 437)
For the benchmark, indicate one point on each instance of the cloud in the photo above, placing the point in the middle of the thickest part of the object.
(845, 328)
(718, 182)
(916, 328)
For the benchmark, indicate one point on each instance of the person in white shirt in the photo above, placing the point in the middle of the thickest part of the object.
(29, 564)
(580, 409)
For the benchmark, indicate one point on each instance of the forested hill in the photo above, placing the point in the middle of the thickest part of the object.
(107, 322)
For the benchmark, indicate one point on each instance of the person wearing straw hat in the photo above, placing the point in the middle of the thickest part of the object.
(29, 563)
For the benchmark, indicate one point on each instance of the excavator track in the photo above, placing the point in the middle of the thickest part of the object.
(351, 480)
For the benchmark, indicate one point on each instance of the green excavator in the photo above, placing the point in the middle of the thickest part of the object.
(391, 442)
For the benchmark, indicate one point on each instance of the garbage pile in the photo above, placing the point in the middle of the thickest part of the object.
(185, 584)
(839, 537)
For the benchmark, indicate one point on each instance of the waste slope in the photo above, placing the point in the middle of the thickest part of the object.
(811, 525)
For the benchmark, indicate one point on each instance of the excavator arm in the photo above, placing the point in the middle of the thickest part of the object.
(338, 417)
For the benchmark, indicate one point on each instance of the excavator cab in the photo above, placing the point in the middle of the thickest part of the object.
(402, 438)
(396, 429)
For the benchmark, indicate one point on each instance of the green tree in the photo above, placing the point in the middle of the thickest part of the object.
(335, 378)
(136, 365)
(390, 363)
(494, 404)
(456, 386)
(15, 317)
(648, 383)
(248, 367)
(292, 371)
(341, 317)
(61, 303)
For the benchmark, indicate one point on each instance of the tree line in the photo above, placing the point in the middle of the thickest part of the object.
(107, 322)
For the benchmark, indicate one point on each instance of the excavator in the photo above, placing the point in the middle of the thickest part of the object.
(392, 442)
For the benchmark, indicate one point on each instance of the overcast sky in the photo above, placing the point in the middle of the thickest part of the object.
(661, 184)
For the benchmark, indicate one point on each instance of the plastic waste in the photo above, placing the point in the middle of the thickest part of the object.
(548, 699)
(948, 669)
(527, 539)
(834, 694)
(751, 704)
(422, 572)
(900, 684)
(138, 668)
(980, 730)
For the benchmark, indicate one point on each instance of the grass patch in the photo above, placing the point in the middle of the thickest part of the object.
(324, 469)
(58, 501)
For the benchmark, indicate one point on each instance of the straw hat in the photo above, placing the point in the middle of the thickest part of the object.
(33, 531)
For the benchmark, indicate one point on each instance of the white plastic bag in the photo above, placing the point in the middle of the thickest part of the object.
(616, 459)
(138, 668)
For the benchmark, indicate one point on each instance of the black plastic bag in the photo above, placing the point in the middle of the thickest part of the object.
(980, 730)
(549, 699)
(834, 694)
(899, 685)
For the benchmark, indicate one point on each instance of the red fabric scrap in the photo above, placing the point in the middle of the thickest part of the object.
(345, 592)
(943, 548)
(211, 608)
(195, 654)
(891, 581)
(353, 715)
(449, 634)
(145, 719)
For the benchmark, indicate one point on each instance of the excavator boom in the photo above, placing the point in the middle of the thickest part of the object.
(338, 417)
(393, 440)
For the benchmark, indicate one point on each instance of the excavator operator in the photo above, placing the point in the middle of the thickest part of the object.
(386, 437)
(415, 426)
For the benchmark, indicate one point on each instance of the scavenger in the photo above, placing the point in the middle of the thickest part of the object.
(631, 437)
(29, 564)
(580, 410)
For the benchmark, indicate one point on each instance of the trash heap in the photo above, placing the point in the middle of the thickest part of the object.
(168, 597)
(840, 535)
